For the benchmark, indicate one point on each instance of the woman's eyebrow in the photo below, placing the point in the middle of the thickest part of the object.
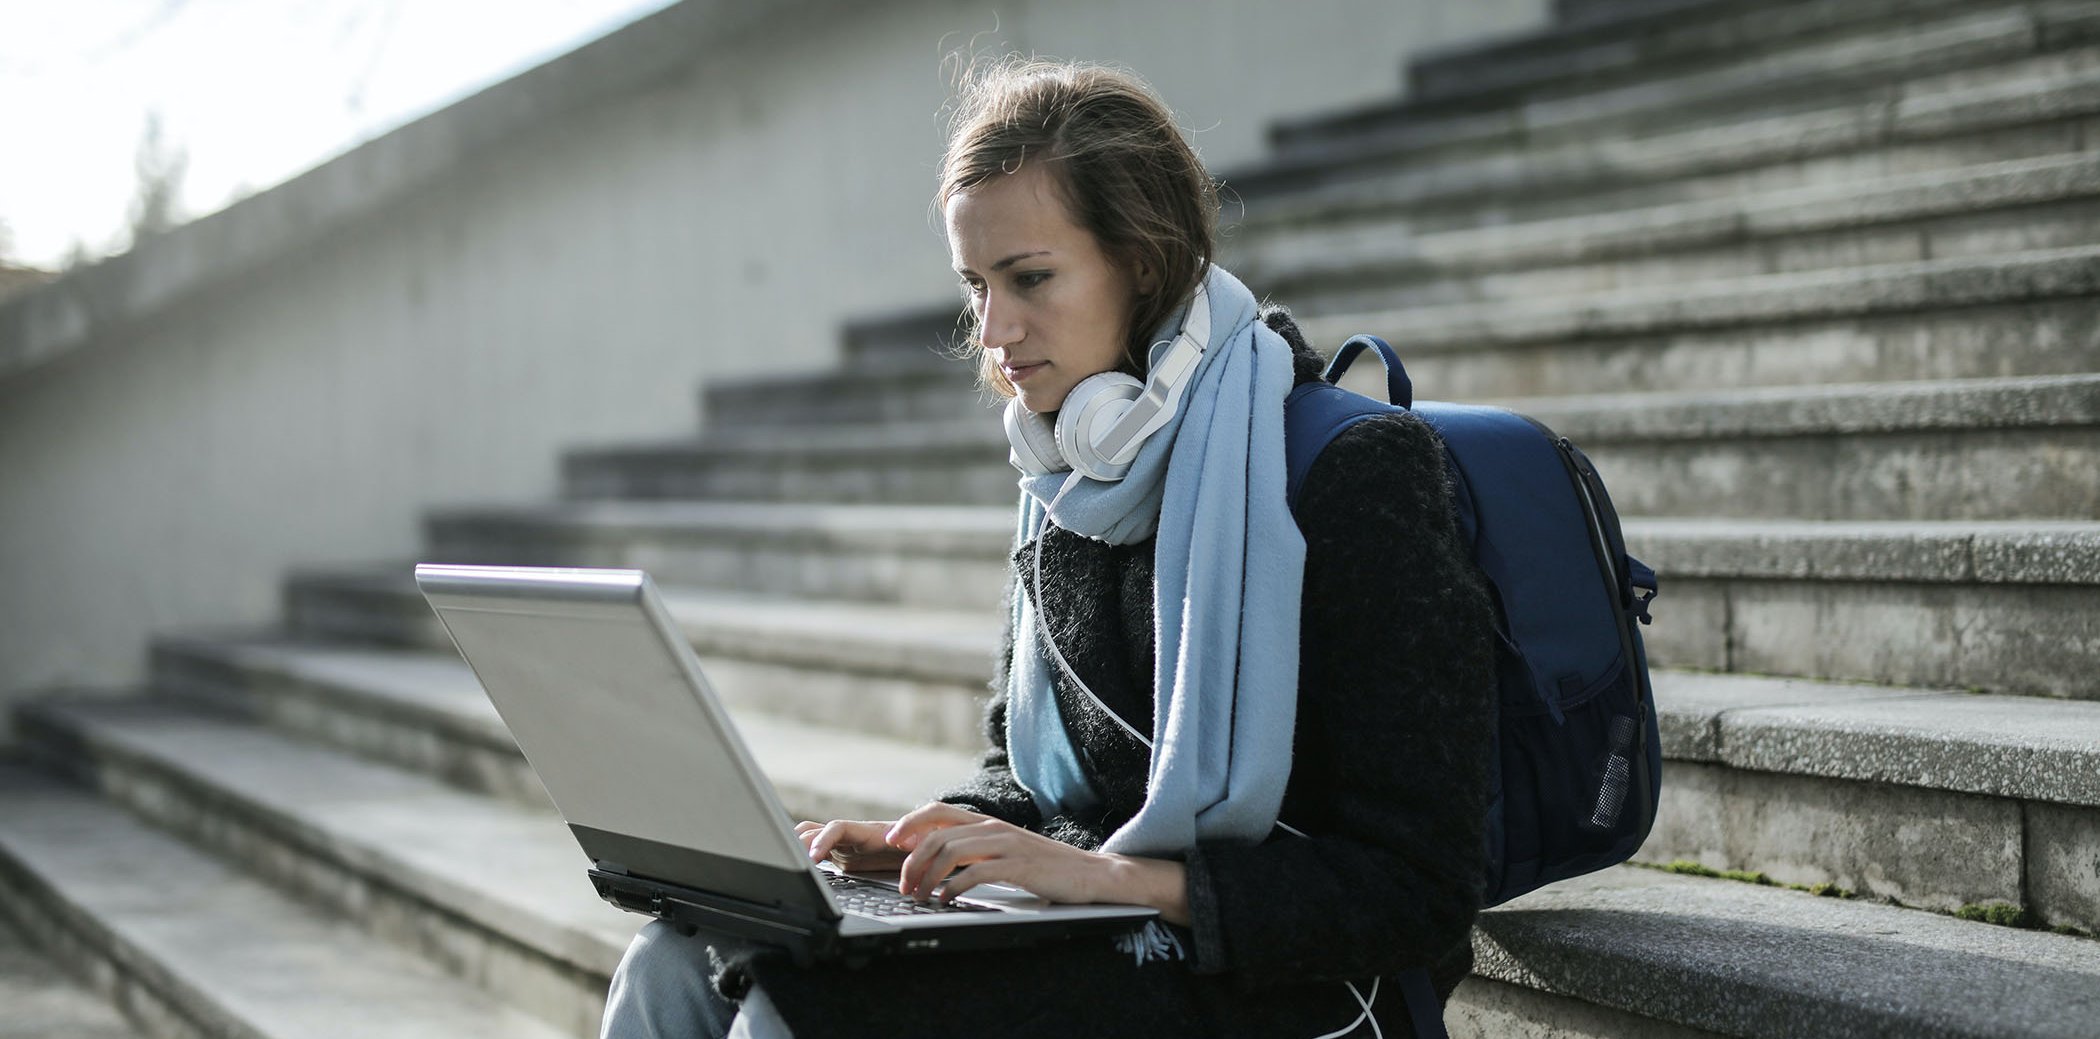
(1005, 263)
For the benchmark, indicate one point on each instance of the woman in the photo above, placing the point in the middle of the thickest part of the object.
(1322, 684)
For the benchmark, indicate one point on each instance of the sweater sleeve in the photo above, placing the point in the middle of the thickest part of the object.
(1395, 725)
(993, 790)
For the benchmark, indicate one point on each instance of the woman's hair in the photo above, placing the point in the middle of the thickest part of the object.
(1116, 160)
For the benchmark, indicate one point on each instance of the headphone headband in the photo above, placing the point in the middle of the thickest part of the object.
(1131, 411)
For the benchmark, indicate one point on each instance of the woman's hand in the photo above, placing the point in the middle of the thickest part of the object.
(949, 855)
(855, 846)
(862, 846)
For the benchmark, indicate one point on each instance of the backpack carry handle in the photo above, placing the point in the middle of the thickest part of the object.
(1399, 389)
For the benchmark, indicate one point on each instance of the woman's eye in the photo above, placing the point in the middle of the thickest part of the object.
(1032, 279)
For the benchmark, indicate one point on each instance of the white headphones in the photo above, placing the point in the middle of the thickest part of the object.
(1106, 418)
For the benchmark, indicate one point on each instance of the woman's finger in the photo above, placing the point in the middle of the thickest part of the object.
(960, 850)
(814, 842)
(927, 818)
(911, 876)
(989, 871)
(847, 837)
(827, 839)
(986, 838)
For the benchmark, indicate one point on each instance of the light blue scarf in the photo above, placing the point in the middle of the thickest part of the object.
(1229, 567)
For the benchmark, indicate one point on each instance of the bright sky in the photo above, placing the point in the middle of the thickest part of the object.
(255, 91)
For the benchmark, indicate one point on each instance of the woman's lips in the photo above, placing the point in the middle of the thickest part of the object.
(1024, 371)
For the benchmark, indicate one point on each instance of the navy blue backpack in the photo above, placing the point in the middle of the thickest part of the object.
(1578, 756)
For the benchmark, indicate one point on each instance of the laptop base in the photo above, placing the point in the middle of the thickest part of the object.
(810, 941)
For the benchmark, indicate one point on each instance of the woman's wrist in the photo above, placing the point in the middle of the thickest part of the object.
(1159, 883)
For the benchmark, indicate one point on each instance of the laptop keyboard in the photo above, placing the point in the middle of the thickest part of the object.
(869, 899)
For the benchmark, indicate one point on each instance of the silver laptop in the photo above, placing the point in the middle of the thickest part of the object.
(607, 701)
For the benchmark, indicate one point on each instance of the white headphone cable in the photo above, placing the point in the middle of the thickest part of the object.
(1376, 1032)
(1361, 1000)
(1040, 537)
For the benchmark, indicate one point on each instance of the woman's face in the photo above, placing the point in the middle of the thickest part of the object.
(1052, 307)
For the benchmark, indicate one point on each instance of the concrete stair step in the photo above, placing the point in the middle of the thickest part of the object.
(852, 394)
(419, 709)
(1937, 799)
(2027, 108)
(1604, 45)
(2030, 314)
(2042, 336)
(1958, 449)
(2009, 607)
(43, 1003)
(957, 461)
(298, 814)
(937, 556)
(193, 947)
(1389, 259)
(904, 341)
(1982, 449)
(1856, 64)
(1949, 773)
(1742, 960)
(1340, 268)
(423, 709)
(1712, 333)
(345, 809)
(906, 672)
(155, 752)
(1584, 12)
(490, 889)
(490, 893)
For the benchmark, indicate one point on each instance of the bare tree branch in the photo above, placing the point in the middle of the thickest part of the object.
(160, 166)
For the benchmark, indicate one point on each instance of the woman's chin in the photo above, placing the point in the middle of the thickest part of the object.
(1041, 403)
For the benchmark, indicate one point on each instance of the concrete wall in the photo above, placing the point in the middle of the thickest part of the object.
(549, 283)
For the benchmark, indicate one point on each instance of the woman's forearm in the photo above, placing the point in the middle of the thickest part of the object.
(1162, 884)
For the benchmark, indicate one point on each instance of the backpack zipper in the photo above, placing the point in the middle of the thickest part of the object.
(1600, 546)
(1589, 509)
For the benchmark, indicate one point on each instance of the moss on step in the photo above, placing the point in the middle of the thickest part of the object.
(1687, 867)
(2002, 914)
(2005, 914)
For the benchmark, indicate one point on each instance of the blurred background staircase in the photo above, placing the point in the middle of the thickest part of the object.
(1815, 283)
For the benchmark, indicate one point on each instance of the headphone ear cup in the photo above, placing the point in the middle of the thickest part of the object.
(1088, 411)
(1033, 441)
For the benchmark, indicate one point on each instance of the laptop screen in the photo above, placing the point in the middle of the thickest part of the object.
(605, 698)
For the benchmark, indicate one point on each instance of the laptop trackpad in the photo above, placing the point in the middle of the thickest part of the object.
(1005, 895)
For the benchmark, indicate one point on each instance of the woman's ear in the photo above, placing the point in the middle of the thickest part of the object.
(1147, 278)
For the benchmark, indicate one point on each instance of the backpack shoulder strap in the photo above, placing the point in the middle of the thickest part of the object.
(1313, 415)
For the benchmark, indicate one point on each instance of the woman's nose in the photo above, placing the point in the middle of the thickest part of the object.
(1002, 328)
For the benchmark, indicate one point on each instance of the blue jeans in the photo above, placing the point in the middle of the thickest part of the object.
(661, 991)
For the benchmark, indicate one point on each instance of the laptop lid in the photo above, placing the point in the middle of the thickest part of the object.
(609, 706)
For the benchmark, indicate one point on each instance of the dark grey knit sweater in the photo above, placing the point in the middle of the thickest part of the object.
(1389, 777)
